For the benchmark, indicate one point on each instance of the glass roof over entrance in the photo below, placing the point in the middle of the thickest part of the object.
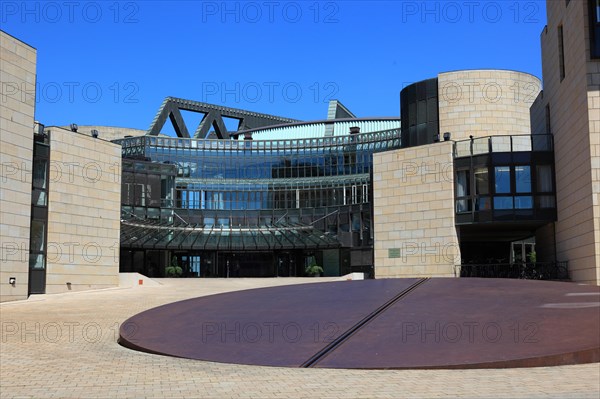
(160, 235)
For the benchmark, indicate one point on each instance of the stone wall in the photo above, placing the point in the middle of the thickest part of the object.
(83, 212)
(486, 102)
(574, 106)
(17, 106)
(413, 205)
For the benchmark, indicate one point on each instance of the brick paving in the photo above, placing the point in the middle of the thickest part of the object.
(64, 346)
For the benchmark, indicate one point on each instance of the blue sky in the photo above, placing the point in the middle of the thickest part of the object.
(112, 63)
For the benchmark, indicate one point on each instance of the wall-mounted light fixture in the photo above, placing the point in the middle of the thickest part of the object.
(436, 138)
(12, 281)
(447, 136)
(74, 127)
(94, 133)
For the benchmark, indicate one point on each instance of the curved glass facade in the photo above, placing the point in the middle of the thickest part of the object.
(230, 175)
(505, 178)
(419, 111)
(307, 197)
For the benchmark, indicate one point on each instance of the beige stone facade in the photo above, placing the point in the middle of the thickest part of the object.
(83, 212)
(574, 112)
(413, 204)
(483, 103)
(17, 106)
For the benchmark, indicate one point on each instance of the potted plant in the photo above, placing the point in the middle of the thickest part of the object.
(174, 270)
(313, 270)
(532, 257)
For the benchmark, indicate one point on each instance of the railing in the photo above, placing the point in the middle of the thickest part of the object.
(529, 271)
(375, 141)
(514, 143)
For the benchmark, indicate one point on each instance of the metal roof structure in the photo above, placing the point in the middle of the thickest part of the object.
(146, 234)
(213, 117)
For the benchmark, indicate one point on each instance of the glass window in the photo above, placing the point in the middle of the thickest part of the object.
(37, 261)
(503, 203)
(546, 202)
(356, 222)
(462, 190)
(523, 202)
(153, 213)
(422, 112)
(412, 114)
(38, 228)
(462, 180)
(39, 198)
(483, 203)
(502, 179)
(40, 170)
(544, 179)
(41, 150)
(523, 179)
(481, 181)
(432, 110)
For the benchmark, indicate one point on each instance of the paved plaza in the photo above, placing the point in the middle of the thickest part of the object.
(64, 346)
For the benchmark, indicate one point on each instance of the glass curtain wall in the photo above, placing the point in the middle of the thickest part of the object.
(300, 196)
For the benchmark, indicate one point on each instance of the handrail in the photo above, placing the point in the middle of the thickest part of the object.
(330, 141)
(503, 143)
(520, 270)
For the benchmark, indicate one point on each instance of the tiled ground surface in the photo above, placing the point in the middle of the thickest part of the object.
(65, 346)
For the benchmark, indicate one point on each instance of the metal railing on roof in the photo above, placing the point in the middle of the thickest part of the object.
(512, 143)
(377, 141)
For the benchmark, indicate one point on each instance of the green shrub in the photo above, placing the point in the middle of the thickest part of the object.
(174, 270)
(533, 257)
(313, 270)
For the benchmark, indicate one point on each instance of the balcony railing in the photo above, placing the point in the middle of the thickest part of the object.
(514, 143)
(373, 141)
(529, 271)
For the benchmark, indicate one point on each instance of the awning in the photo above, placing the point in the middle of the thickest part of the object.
(148, 234)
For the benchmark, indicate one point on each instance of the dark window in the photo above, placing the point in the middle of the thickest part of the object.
(39, 197)
(38, 235)
(594, 13)
(504, 191)
(37, 261)
(481, 181)
(419, 113)
(482, 190)
(40, 170)
(463, 190)
(39, 217)
(561, 53)
(544, 179)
